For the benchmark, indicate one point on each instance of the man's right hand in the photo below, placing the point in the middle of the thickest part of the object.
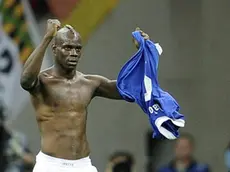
(53, 25)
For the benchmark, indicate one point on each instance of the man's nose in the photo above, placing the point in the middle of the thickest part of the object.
(73, 52)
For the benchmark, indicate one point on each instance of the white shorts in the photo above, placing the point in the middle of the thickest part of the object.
(46, 163)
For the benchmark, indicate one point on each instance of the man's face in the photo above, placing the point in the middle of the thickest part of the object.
(183, 148)
(68, 49)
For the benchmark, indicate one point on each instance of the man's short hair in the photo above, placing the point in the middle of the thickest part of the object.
(127, 155)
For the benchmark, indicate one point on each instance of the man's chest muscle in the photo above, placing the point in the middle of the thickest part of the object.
(67, 94)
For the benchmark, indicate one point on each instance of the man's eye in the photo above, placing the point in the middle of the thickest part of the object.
(67, 48)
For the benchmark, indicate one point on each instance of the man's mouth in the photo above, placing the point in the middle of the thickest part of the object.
(72, 62)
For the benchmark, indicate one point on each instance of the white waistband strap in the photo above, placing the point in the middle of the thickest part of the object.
(46, 159)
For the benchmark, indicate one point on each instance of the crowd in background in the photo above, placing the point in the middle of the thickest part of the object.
(17, 157)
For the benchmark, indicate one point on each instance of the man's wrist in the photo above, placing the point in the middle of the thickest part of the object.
(47, 37)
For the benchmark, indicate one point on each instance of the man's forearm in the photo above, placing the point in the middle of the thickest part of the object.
(33, 64)
(115, 93)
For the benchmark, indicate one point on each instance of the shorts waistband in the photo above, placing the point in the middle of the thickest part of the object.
(46, 159)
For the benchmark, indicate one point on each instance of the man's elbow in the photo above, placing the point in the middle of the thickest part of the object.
(27, 83)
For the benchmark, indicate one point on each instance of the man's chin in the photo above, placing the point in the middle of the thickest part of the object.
(71, 66)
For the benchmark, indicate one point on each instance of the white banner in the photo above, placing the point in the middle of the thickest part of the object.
(10, 70)
(13, 96)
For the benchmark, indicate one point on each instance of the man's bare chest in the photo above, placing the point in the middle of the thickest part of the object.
(66, 93)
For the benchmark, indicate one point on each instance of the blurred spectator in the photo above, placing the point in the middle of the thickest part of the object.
(184, 160)
(3, 137)
(120, 162)
(19, 157)
(14, 153)
(227, 157)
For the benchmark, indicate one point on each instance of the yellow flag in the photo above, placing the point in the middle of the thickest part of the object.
(88, 14)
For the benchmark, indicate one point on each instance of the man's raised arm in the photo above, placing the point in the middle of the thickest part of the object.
(31, 68)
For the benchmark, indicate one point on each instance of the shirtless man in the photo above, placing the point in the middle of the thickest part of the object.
(60, 96)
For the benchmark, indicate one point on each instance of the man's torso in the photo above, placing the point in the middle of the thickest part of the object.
(61, 112)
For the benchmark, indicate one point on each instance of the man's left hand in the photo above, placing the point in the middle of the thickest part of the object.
(143, 34)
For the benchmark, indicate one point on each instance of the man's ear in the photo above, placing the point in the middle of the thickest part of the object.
(54, 47)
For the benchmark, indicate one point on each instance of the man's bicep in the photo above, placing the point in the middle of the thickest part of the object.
(107, 88)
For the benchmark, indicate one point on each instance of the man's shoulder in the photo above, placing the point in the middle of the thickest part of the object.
(46, 72)
(202, 167)
(41, 79)
(165, 168)
(93, 77)
(198, 167)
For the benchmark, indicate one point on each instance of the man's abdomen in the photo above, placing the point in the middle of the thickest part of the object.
(64, 136)
(66, 148)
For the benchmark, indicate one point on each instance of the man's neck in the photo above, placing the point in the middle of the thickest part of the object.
(183, 162)
(60, 71)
